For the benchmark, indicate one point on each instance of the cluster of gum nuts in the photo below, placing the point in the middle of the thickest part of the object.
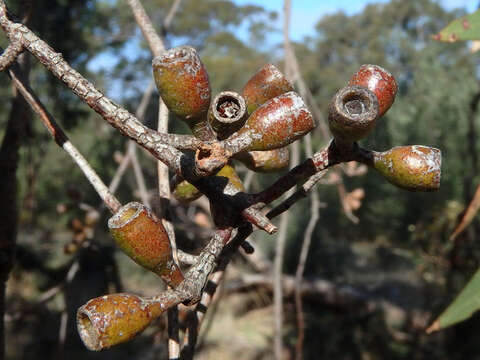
(255, 127)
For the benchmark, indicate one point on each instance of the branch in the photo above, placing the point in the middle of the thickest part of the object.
(8, 57)
(299, 194)
(157, 47)
(62, 140)
(282, 238)
(214, 279)
(162, 146)
(307, 239)
(155, 42)
(171, 14)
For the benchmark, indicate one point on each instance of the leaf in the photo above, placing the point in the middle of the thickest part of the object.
(464, 28)
(469, 214)
(463, 307)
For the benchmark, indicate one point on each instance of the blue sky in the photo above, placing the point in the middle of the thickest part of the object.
(306, 13)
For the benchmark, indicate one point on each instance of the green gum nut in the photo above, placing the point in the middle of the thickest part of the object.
(185, 192)
(414, 168)
(144, 239)
(183, 84)
(116, 318)
(228, 171)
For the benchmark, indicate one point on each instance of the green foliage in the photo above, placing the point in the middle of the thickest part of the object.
(463, 307)
(465, 28)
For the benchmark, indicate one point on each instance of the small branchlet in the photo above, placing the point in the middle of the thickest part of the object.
(144, 239)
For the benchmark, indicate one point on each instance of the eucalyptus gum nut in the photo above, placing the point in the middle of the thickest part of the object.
(116, 318)
(352, 113)
(228, 180)
(268, 82)
(265, 161)
(277, 123)
(414, 168)
(380, 82)
(227, 113)
(144, 239)
(183, 84)
(228, 171)
(185, 192)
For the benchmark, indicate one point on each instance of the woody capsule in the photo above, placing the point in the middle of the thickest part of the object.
(353, 113)
(414, 168)
(275, 124)
(144, 239)
(268, 82)
(182, 81)
(116, 318)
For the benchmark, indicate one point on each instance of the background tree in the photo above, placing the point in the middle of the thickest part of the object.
(398, 254)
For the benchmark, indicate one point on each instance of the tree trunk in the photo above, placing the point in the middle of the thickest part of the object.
(18, 119)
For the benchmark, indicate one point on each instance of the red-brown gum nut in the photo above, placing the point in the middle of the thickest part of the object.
(414, 168)
(113, 319)
(182, 82)
(265, 161)
(223, 122)
(352, 113)
(145, 241)
(275, 124)
(380, 82)
(268, 82)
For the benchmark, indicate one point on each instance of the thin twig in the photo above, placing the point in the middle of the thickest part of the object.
(307, 239)
(132, 147)
(163, 180)
(186, 258)
(171, 14)
(157, 46)
(197, 316)
(162, 146)
(282, 237)
(305, 93)
(10, 54)
(301, 193)
(155, 42)
(62, 140)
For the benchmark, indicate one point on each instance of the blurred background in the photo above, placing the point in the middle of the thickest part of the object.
(384, 253)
